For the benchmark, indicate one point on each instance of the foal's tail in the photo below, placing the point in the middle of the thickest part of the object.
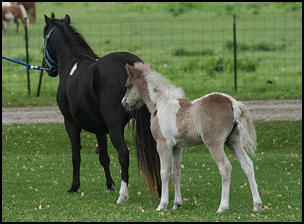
(147, 157)
(245, 126)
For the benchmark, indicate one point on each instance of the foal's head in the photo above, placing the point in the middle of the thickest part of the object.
(135, 84)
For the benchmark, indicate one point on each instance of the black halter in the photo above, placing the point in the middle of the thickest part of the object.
(51, 63)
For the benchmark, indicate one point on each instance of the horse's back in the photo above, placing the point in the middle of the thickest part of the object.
(91, 96)
(110, 75)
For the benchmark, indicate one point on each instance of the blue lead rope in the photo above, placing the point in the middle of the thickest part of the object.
(35, 67)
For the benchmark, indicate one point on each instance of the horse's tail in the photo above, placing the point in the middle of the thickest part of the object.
(24, 14)
(147, 157)
(245, 126)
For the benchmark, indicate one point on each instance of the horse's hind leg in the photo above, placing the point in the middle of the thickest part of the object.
(216, 149)
(74, 134)
(104, 159)
(117, 139)
(246, 163)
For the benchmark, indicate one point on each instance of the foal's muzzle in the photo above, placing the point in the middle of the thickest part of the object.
(125, 104)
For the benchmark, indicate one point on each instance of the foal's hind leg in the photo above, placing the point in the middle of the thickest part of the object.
(246, 163)
(104, 159)
(217, 152)
(74, 134)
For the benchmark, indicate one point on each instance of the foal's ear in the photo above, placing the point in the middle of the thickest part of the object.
(52, 16)
(67, 19)
(150, 66)
(129, 69)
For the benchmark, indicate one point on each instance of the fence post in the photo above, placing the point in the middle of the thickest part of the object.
(234, 52)
(27, 57)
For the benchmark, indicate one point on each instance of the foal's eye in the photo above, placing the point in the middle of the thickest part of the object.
(129, 86)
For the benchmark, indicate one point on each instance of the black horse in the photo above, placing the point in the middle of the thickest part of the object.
(89, 97)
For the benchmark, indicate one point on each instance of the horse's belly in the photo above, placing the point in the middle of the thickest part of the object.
(90, 121)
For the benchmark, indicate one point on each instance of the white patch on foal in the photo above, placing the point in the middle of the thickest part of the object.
(123, 193)
(165, 96)
(73, 69)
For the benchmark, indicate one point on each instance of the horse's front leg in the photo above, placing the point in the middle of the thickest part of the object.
(165, 156)
(74, 134)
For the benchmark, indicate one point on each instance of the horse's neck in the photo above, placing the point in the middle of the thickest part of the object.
(63, 56)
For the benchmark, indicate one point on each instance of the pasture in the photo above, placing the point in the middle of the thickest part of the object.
(37, 170)
(184, 41)
(190, 44)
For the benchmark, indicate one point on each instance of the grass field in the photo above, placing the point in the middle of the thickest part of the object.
(190, 43)
(37, 171)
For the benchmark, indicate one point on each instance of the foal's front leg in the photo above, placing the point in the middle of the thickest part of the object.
(74, 134)
(176, 176)
(165, 156)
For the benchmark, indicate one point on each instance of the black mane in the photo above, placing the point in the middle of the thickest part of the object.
(78, 45)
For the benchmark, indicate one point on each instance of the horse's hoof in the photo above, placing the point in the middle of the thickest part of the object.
(122, 200)
(73, 189)
(111, 189)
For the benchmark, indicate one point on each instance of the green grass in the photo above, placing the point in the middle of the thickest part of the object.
(37, 171)
(175, 36)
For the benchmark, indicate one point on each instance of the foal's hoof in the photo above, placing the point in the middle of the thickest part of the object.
(257, 207)
(176, 206)
(222, 209)
(161, 207)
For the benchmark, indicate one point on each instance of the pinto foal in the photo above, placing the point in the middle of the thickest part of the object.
(214, 119)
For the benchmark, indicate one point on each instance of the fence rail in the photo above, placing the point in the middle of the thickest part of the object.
(198, 50)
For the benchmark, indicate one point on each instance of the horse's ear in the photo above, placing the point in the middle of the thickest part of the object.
(47, 20)
(150, 66)
(67, 19)
(52, 16)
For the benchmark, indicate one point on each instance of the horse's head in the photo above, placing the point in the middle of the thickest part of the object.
(133, 98)
(49, 34)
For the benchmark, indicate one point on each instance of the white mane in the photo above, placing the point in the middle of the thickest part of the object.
(159, 87)
(165, 96)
